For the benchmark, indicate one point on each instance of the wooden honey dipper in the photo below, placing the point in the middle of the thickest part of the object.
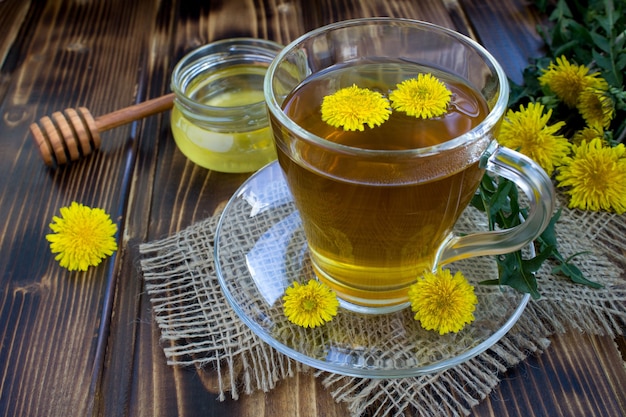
(75, 133)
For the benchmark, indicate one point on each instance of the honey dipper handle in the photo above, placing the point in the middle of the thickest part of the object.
(138, 111)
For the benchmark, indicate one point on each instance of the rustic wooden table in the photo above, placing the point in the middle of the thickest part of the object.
(78, 344)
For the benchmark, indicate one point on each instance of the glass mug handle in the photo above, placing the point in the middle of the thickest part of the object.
(537, 186)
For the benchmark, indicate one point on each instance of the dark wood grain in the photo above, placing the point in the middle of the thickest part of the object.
(73, 54)
(13, 21)
(508, 30)
(74, 344)
(576, 376)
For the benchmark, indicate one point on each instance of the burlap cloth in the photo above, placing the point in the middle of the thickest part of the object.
(199, 328)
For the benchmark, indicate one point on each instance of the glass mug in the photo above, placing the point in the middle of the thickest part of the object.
(376, 215)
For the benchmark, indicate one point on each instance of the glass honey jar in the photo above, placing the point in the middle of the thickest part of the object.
(219, 119)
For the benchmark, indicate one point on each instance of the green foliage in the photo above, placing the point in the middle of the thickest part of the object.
(498, 198)
(587, 32)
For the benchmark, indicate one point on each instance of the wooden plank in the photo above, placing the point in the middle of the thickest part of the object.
(170, 194)
(576, 376)
(85, 53)
(323, 12)
(508, 30)
(13, 16)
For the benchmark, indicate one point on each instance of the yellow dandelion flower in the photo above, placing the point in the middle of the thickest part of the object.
(596, 107)
(310, 305)
(443, 302)
(587, 134)
(596, 177)
(353, 107)
(567, 80)
(527, 130)
(425, 96)
(82, 237)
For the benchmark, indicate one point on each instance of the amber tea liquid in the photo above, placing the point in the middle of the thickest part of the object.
(374, 225)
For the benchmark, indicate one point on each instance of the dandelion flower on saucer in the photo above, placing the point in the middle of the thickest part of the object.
(311, 304)
(527, 130)
(596, 106)
(351, 108)
(567, 80)
(443, 302)
(423, 97)
(82, 237)
(595, 175)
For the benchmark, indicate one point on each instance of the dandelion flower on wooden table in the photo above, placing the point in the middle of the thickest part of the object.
(82, 237)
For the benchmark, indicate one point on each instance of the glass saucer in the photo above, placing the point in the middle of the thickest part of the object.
(260, 250)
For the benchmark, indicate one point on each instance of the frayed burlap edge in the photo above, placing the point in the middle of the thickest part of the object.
(199, 328)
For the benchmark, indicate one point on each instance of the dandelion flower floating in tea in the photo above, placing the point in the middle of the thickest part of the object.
(595, 175)
(310, 305)
(443, 302)
(422, 97)
(527, 130)
(567, 80)
(352, 108)
(82, 237)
